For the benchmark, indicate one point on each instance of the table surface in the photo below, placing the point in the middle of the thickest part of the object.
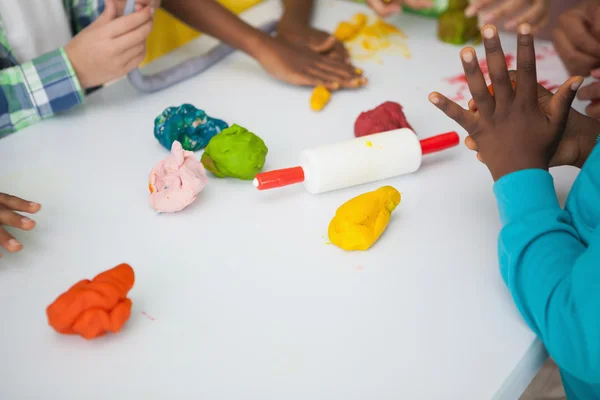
(239, 296)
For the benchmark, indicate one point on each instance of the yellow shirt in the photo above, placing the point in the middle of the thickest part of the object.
(169, 33)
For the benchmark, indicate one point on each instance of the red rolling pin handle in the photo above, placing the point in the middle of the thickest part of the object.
(439, 142)
(279, 178)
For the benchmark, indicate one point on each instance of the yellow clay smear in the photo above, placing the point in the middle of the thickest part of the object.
(359, 222)
(366, 41)
(319, 98)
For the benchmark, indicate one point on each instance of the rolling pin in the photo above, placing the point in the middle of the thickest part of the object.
(355, 162)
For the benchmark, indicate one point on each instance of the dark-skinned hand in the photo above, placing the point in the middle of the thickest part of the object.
(511, 130)
(321, 42)
(577, 142)
(9, 205)
(577, 37)
(303, 67)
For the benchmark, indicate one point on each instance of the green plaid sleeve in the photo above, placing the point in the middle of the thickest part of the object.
(36, 90)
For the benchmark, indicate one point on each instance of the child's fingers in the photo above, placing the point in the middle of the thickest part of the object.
(327, 45)
(472, 105)
(133, 38)
(18, 204)
(477, 6)
(129, 23)
(134, 53)
(561, 102)
(337, 68)
(383, 9)
(463, 117)
(590, 92)
(419, 4)
(496, 62)
(11, 218)
(531, 16)
(135, 61)
(470, 143)
(526, 67)
(476, 82)
(9, 242)
(575, 60)
(507, 7)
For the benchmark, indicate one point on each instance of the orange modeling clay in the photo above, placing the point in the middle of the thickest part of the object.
(92, 308)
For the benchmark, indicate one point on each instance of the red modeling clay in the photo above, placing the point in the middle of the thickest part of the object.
(92, 308)
(386, 117)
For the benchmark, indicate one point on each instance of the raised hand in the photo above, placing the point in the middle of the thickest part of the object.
(510, 129)
(9, 216)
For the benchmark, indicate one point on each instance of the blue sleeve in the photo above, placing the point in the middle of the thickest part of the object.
(553, 276)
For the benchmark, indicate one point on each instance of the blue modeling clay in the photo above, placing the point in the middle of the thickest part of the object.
(188, 125)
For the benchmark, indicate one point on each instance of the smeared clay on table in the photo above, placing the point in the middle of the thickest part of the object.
(319, 98)
(235, 152)
(92, 308)
(366, 38)
(176, 181)
(385, 117)
(360, 221)
(188, 125)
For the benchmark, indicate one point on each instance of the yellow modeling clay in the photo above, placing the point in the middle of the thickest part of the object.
(359, 222)
(348, 30)
(319, 98)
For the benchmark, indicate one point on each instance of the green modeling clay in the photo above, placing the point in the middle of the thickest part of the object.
(235, 152)
(454, 27)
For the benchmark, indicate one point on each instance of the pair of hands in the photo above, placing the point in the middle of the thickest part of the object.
(305, 56)
(9, 205)
(522, 128)
(577, 41)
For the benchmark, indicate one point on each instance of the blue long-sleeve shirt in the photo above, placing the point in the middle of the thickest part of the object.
(550, 261)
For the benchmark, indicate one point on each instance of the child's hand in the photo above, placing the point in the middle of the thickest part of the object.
(385, 8)
(139, 4)
(110, 47)
(316, 40)
(577, 38)
(533, 12)
(578, 140)
(591, 92)
(511, 130)
(303, 67)
(9, 217)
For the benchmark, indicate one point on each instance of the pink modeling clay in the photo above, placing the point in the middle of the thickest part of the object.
(176, 181)
(386, 117)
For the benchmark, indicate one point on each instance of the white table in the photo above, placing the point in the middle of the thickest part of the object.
(238, 296)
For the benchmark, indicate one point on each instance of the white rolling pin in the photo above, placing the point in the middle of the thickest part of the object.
(355, 162)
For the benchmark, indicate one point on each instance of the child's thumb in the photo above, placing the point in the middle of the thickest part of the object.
(325, 46)
(109, 13)
(561, 102)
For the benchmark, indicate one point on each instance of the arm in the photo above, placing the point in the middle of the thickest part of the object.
(36, 90)
(298, 11)
(215, 20)
(552, 274)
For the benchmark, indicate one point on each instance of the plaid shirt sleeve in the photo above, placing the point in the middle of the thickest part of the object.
(36, 90)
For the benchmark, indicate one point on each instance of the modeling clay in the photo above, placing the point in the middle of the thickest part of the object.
(366, 40)
(188, 125)
(347, 30)
(319, 98)
(491, 88)
(235, 152)
(359, 222)
(456, 28)
(176, 181)
(92, 308)
(386, 117)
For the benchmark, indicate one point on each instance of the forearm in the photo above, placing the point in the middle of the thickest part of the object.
(298, 11)
(551, 273)
(212, 18)
(36, 90)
